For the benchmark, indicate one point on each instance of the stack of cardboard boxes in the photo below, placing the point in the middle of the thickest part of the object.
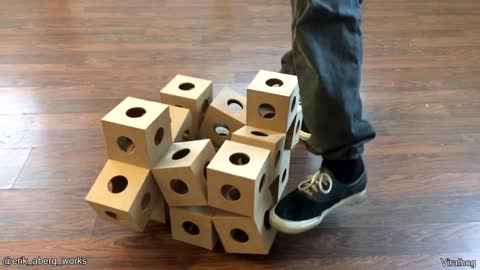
(211, 167)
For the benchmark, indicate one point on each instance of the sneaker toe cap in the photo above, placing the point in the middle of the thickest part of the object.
(295, 207)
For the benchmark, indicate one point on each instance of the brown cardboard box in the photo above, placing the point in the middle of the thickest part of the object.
(181, 123)
(273, 99)
(226, 114)
(160, 211)
(193, 225)
(250, 235)
(137, 131)
(238, 178)
(280, 177)
(293, 134)
(270, 140)
(191, 93)
(181, 173)
(124, 194)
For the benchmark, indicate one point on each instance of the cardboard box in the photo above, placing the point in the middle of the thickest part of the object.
(124, 194)
(293, 134)
(160, 211)
(137, 132)
(248, 235)
(238, 178)
(191, 93)
(270, 140)
(181, 173)
(194, 225)
(273, 99)
(181, 124)
(280, 177)
(226, 114)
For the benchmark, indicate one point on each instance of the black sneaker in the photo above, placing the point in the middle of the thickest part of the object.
(306, 207)
(304, 132)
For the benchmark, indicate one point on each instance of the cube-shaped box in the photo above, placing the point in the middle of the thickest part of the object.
(137, 131)
(273, 99)
(194, 225)
(279, 179)
(238, 178)
(160, 212)
(124, 194)
(191, 93)
(270, 140)
(181, 173)
(181, 124)
(293, 134)
(249, 235)
(226, 114)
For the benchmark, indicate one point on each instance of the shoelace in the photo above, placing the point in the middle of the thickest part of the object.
(320, 182)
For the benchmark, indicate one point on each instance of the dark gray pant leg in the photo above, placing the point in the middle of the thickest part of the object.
(288, 66)
(327, 58)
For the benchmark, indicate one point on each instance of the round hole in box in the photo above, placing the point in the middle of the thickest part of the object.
(221, 129)
(284, 175)
(159, 135)
(135, 112)
(230, 193)
(266, 111)
(180, 154)
(239, 235)
(274, 82)
(266, 220)
(205, 169)
(145, 200)
(259, 133)
(277, 158)
(191, 228)
(111, 214)
(299, 123)
(262, 181)
(126, 144)
(235, 105)
(117, 184)
(205, 105)
(239, 159)
(179, 186)
(186, 135)
(186, 86)
(294, 102)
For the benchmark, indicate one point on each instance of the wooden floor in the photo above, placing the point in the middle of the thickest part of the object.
(64, 64)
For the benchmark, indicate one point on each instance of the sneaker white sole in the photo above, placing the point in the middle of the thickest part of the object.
(304, 136)
(295, 227)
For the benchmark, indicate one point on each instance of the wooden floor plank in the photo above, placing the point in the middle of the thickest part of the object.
(12, 161)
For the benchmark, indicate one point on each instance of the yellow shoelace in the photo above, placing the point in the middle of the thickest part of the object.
(319, 182)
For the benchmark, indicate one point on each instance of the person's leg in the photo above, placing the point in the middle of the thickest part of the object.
(287, 64)
(288, 67)
(327, 57)
(327, 52)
